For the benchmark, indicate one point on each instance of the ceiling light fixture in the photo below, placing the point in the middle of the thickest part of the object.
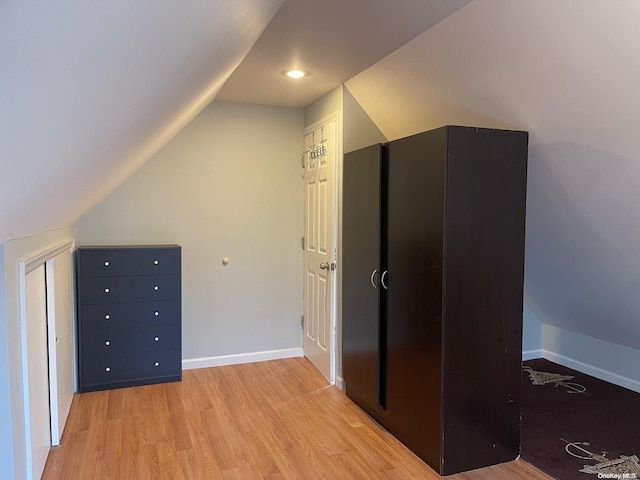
(296, 73)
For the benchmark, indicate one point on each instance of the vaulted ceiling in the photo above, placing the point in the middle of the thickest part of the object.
(90, 90)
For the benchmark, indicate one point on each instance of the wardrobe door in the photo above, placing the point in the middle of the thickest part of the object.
(361, 223)
(415, 202)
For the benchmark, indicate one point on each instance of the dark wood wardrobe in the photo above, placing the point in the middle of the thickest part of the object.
(433, 265)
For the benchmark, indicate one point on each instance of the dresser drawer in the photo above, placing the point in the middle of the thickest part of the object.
(129, 289)
(134, 368)
(118, 341)
(125, 315)
(120, 262)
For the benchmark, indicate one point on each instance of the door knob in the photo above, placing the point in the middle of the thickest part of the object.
(328, 266)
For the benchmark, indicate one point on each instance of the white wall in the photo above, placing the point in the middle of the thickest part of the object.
(359, 129)
(228, 185)
(323, 107)
(531, 334)
(599, 358)
(14, 252)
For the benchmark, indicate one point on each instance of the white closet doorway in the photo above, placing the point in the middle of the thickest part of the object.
(47, 351)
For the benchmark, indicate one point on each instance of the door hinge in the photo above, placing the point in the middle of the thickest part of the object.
(302, 242)
(302, 321)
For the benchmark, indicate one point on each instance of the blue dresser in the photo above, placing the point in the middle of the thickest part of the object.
(129, 316)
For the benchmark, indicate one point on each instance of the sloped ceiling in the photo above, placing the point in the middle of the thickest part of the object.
(332, 39)
(91, 89)
(569, 73)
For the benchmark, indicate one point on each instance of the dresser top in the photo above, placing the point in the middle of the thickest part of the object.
(123, 247)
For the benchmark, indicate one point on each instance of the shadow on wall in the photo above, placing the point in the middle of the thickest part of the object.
(583, 241)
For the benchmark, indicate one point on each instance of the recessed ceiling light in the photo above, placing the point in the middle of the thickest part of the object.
(296, 73)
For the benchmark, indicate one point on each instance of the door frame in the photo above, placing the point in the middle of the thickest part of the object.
(337, 229)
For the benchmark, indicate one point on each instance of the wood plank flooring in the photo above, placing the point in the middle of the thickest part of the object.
(270, 420)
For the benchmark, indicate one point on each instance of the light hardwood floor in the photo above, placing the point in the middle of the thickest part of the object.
(270, 420)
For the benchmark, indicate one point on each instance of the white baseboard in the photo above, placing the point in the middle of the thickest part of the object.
(205, 362)
(600, 373)
(531, 354)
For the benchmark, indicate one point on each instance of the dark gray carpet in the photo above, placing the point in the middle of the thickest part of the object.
(575, 426)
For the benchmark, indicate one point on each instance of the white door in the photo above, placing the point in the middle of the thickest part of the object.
(38, 428)
(320, 243)
(60, 336)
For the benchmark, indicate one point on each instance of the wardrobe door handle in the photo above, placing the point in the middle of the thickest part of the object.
(373, 276)
(384, 274)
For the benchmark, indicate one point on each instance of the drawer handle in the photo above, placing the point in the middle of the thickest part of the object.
(156, 288)
(156, 262)
(108, 369)
(156, 313)
(157, 364)
(107, 343)
(107, 317)
(156, 339)
(106, 264)
(106, 290)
